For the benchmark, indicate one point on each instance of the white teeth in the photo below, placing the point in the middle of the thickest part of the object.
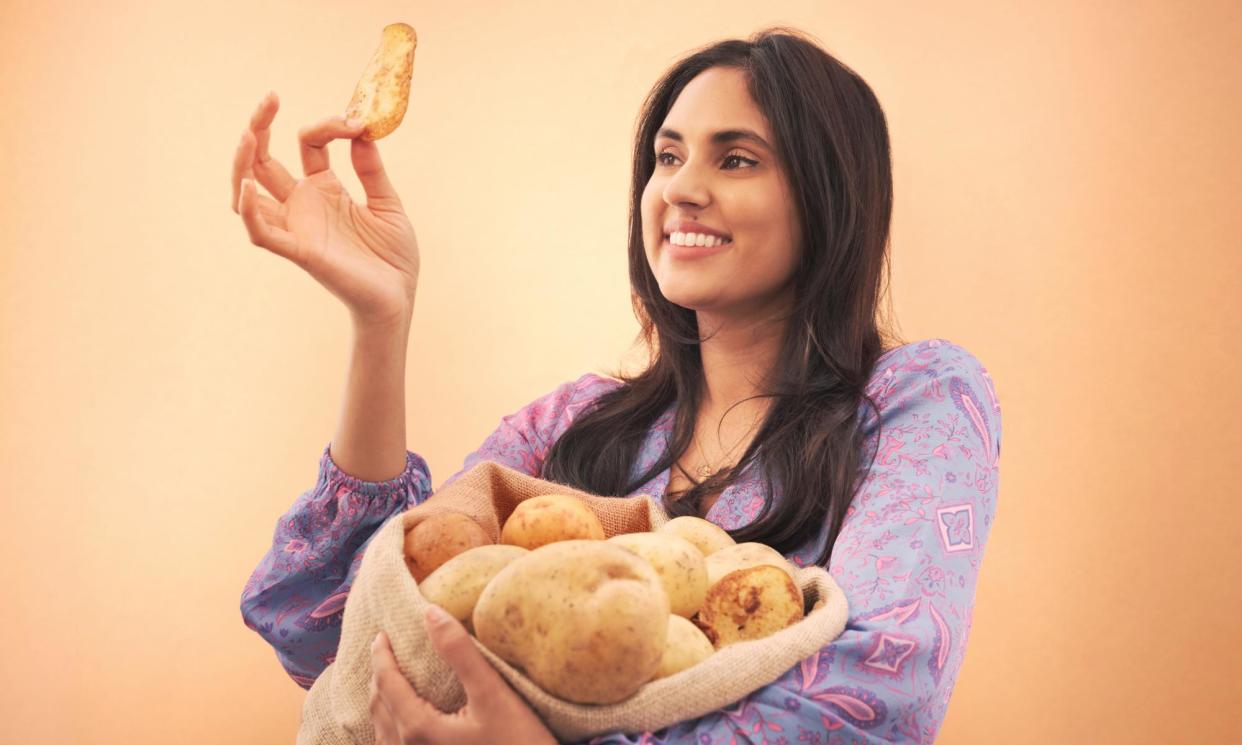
(696, 239)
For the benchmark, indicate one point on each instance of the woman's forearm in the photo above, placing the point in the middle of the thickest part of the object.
(370, 437)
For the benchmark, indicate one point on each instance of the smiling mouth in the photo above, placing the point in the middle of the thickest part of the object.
(678, 252)
(696, 240)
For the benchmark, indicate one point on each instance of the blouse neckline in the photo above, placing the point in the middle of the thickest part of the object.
(723, 511)
(659, 484)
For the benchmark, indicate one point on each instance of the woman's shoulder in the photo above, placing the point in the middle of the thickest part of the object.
(596, 379)
(585, 390)
(934, 377)
(545, 417)
(926, 359)
(593, 384)
(935, 348)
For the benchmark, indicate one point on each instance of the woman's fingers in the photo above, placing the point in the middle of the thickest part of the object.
(410, 714)
(370, 170)
(242, 160)
(262, 233)
(314, 140)
(268, 207)
(381, 718)
(482, 683)
(274, 177)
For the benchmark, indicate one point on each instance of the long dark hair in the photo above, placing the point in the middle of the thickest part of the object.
(832, 140)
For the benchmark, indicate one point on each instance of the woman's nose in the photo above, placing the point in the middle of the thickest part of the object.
(686, 186)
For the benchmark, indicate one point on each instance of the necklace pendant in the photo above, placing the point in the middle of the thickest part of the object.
(704, 471)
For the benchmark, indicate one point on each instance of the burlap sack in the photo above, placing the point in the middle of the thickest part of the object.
(385, 597)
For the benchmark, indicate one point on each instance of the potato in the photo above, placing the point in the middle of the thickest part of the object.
(707, 536)
(749, 603)
(681, 567)
(687, 646)
(586, 620)
(743, 555)
(549, 518)
(439, 538)
(383, 93)
(457, 584)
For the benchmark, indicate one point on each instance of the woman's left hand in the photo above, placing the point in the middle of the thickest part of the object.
(493, 713)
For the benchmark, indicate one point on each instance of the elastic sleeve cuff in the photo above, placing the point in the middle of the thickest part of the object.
(413, 484)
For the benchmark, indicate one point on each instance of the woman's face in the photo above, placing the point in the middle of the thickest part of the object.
(732, 185)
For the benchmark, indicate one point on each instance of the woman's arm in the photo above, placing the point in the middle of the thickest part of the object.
(907, 558)
(370, 435)
(295, 598)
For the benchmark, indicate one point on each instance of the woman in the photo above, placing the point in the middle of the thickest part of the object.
(769, 405)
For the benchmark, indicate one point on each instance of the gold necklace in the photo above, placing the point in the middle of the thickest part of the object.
(708, 469)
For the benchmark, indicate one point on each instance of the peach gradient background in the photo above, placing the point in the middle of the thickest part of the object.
(1067, 181)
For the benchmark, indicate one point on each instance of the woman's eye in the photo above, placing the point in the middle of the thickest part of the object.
(752, 163)
(660, 158)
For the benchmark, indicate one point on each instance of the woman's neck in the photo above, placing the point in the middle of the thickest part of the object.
(737, 363)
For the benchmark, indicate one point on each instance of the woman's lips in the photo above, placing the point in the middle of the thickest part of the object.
(693, 252)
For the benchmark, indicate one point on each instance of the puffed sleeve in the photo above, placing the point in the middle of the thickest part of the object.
(907, 558)
(295, 598)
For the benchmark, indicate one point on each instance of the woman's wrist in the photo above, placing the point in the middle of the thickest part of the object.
(370, 437)
(386, 324)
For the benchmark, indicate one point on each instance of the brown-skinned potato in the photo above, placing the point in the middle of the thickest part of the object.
(742, 555)
(707, 536)
(681, 567)
(687, 646)
(439, 538)
(549, 518)
(586, 620)
(383, 93)
(457, 584)
(749, 603)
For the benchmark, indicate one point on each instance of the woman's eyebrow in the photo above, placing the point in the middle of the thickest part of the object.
(721, 137)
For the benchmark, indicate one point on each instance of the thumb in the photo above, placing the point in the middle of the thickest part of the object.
(454, 645)
(370, 169)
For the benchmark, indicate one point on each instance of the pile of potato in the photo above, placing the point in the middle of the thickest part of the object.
(589, 619)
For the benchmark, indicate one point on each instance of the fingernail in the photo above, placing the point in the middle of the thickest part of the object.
(353, 123)
(436, 615)
(375, 643)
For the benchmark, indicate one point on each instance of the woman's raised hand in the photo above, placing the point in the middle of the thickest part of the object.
(366, 255)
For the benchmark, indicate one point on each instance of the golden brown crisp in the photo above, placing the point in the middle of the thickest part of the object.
(383, 93)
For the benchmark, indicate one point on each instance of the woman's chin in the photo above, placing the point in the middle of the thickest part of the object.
(687, 298)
